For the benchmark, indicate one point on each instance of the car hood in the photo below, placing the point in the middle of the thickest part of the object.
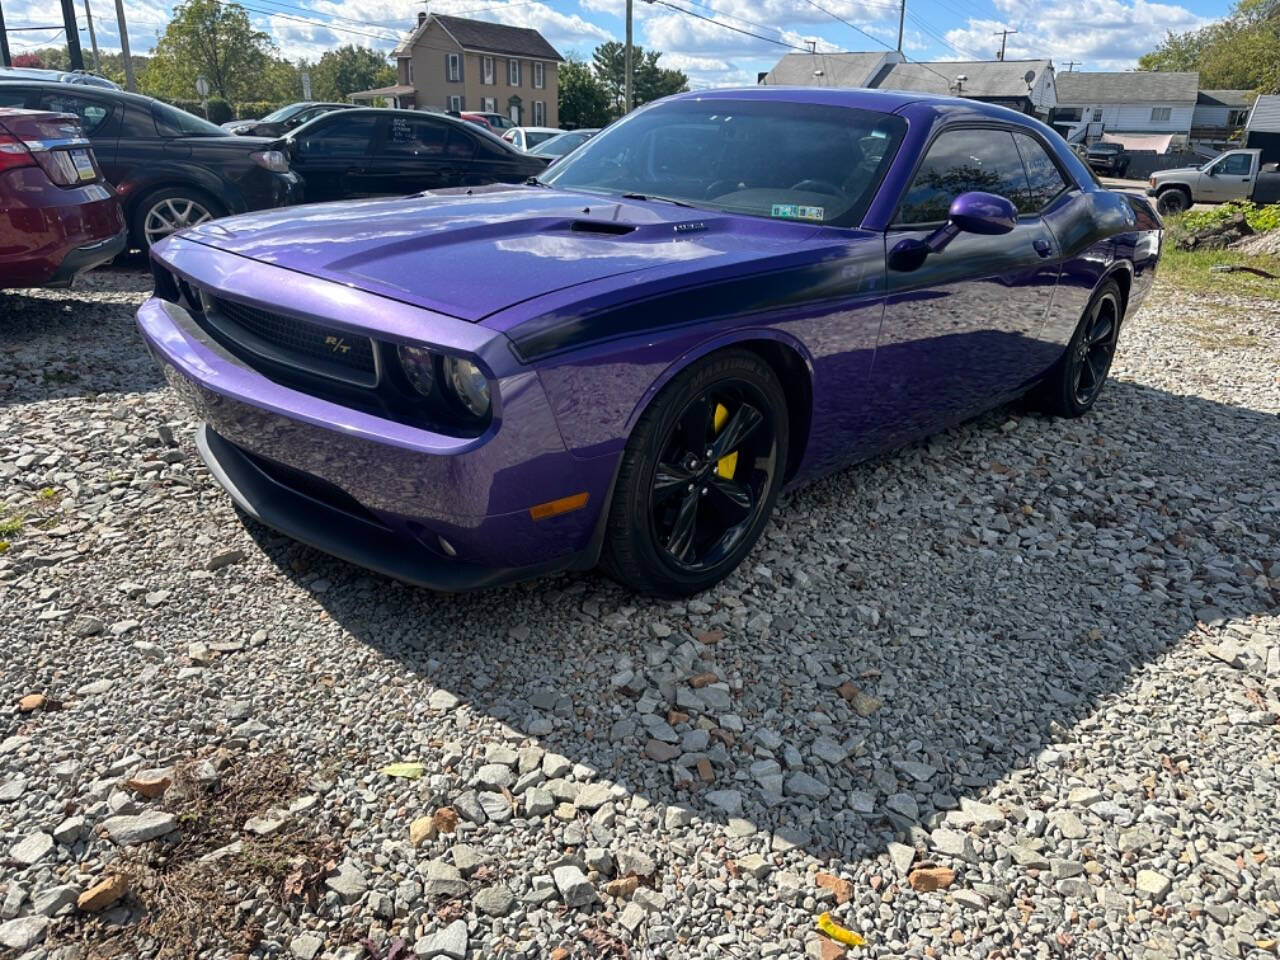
(470, 253)
(1175, 172)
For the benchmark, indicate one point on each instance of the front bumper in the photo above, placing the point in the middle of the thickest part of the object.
(446, 512)
(343, 533)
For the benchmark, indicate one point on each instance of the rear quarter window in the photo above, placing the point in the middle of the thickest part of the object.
(93, 113)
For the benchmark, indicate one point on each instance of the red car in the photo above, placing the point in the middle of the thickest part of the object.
(58, 217)
(478, 119)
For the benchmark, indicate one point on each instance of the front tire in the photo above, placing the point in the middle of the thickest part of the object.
(1078, 377)
(699, 477)
(1172, 202)
(168, 210)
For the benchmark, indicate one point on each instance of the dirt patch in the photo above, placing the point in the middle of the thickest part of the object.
(186, 893)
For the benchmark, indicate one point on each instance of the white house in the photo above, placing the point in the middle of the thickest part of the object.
(1220, 114)
(1153, 109)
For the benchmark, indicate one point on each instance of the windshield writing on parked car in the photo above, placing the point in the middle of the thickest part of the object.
(762, 158)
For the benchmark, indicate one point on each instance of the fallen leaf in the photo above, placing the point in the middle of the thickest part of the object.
(409, 771)
(423, 828)
(446, 819)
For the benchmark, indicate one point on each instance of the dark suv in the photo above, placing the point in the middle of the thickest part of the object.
(170, 169)
(1108, 158)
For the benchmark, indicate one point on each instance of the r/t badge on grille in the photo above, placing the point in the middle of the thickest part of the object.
(337, 345)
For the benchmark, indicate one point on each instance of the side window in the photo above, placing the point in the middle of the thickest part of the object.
(960, 161)
(1044, 180)
(93, 114)
(344, 137)
(13, 97)
(407, 137)
(460, 145)
(1235, 165)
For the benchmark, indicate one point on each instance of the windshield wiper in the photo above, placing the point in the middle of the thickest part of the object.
(650, 196)
(535, 182)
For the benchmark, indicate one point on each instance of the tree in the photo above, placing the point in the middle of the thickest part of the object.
(212, 39)
(584, 102)
(1241, 51)
(349, 69)
(649, 81)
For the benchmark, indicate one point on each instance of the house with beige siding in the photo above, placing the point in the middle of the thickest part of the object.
(452, 63)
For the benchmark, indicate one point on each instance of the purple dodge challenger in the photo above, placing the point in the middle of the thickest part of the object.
(623, 363)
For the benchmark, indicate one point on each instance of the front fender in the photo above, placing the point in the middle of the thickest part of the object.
(168, 173)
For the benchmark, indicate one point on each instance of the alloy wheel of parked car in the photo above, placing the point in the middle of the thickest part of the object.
(1091, 359)
(1076, 381)
(699, 478)
(167, 211)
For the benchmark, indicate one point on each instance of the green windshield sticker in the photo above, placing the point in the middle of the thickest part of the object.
(798, 211)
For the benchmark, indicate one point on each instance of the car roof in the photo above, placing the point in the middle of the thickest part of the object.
(394, 112)
(542, 129)
(884, 101)
(56, 87)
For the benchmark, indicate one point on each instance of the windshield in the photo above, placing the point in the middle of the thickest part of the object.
(178, 123)
(558, 146)
(284, 113)
(765, 158)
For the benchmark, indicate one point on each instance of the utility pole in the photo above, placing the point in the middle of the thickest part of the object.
(73, 35)
(1003, 35)
(5, 59)
(1073, 63)
(129, 83)
(627, 62)
(93, 38)
(902, 15)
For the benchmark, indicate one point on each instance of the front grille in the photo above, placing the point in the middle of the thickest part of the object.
(297, 343)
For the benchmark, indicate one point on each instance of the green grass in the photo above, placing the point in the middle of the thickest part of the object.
(1192, 271)
(10, 525)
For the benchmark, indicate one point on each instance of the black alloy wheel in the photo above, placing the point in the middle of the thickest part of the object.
(1075, 382)
(1092, 355)
(709, 485)
(699, 478)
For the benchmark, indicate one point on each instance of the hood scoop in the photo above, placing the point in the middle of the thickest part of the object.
(607, 228)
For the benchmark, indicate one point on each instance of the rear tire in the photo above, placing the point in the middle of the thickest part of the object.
(1073, 386)
(167, 210)
(699, 477)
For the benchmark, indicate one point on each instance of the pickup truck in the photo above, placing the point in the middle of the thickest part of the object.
(1234, 175)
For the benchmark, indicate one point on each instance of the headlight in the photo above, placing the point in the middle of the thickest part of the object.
(468, 384)
(419, 367)
(273, 160)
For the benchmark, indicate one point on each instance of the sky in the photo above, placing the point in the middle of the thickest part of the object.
(1097, 34)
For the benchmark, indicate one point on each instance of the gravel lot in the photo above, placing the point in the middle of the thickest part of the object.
(1033, 663)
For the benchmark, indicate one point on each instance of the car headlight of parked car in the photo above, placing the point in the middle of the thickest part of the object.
(468, 384)
(273, 160)
(419, 366)
(458, 379)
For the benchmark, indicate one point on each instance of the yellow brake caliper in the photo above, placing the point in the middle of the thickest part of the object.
(729, 462)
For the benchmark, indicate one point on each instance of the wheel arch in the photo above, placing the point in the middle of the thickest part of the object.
(166, 179)
(1122, 273)
(790, 361)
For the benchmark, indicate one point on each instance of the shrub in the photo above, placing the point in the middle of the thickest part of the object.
(1261, 219)
(256, 109)
(219, 111)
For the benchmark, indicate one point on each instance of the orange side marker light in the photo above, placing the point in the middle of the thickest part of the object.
(553, 508)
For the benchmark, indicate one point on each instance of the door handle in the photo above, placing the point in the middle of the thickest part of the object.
(1042, 247)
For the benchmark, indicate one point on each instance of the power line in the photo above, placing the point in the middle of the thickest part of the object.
(878, 40)
(729, 26)
(925, 28)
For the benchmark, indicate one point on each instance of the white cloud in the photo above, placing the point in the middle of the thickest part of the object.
(1101, 34)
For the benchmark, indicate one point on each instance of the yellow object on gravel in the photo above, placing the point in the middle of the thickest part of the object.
(838, 933)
